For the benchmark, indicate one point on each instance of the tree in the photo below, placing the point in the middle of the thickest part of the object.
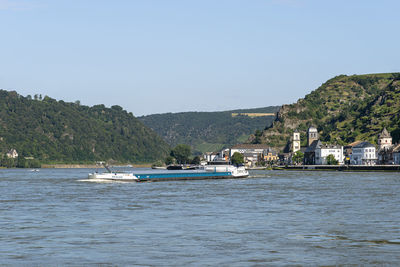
(181, 153)
(196, 160)
(22, 163)
(257, 137)
(330, 160)
(158, 163)
(298, 157)
(237, 158)
(169, 160)
(261, 162)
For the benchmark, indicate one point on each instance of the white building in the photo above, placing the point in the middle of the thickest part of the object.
(210, 156)
(312, 135)
(12, 154)
(296, 142)
(254, 152)
(323, 151)
(384, 140)
(363, 154)
(217, 156)
(385, 149)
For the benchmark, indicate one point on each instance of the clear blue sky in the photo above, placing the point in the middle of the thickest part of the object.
(156, 56)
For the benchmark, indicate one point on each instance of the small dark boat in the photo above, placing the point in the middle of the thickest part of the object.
(174, 167)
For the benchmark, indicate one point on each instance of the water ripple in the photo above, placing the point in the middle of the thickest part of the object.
(58, 217)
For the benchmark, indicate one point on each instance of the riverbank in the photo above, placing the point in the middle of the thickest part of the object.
(360, 168)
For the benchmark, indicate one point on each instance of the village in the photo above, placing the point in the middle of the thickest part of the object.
(259, 156)
(358, 153)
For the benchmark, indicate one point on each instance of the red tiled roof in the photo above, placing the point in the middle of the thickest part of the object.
(396, 148)
(354, 143)
(251, 146)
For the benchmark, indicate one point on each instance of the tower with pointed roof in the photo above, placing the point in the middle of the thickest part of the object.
(312, 135)
(384, 140)
(296, 141)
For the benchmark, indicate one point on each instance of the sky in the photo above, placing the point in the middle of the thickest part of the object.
(158, 56)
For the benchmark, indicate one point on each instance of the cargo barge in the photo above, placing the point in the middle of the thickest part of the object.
(214, 172)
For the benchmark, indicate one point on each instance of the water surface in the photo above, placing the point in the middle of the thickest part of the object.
(273, 218)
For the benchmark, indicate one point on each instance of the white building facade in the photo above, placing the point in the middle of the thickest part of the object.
(210, 156)
(312, 135)
(384, 140)
(322, 152)
(253, 153)
(296, 141)
(364, 154)
(12, 154)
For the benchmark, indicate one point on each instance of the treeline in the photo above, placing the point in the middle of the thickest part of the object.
(19, 162)
(54, 131)
(180, 154)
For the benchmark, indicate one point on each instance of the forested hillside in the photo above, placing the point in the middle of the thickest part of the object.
(344, 109)
(208, 131)
(56, 131)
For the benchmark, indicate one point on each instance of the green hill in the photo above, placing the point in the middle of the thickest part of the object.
(56, 131)
(209, 131)
(344, 109)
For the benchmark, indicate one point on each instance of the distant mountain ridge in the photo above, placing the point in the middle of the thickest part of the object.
(344, 109)
(57, 131)
(209, 131)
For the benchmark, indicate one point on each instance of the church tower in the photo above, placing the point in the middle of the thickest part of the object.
(296, 141)
(384, 140)
(312, 135)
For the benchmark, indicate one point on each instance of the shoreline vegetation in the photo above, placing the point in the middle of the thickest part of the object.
(79, 166)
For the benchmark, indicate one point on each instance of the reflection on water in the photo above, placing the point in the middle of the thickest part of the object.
(59, 217)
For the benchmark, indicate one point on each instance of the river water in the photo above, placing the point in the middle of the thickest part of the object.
(56, 217)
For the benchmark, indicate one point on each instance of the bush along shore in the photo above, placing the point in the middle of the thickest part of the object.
(90, 166)
(19, 163)
(35, 164)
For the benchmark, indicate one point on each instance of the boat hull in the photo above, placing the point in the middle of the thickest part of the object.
(113, 176)
(157, 177)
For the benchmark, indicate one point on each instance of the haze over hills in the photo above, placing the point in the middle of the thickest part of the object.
(56, 131)
(209, 131)
(344, 109)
